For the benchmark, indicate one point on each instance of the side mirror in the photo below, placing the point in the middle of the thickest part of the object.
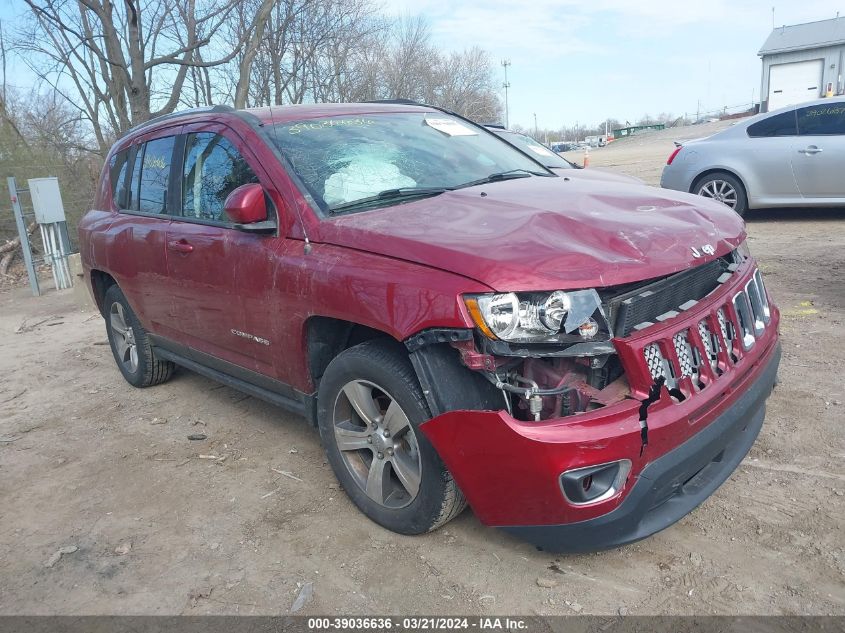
(246, 205)
(247, 209)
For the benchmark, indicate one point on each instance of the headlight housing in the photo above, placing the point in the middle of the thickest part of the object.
(540, 317)
(742, 252)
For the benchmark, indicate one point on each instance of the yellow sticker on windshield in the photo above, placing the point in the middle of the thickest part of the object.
(450, 127)
(324, 124)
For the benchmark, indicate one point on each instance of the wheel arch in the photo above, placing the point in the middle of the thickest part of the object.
(720, 170)
(326, 337)
(101, 281)
(445, 381)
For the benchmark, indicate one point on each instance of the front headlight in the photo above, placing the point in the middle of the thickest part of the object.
(537, 317)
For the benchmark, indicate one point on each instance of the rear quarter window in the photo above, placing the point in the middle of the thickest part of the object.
(118, 169)
(822, 120)
(782, 124)
(137, 155)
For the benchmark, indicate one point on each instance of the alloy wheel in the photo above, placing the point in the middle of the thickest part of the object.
(377, 444)
(124, 338)
(721, 191)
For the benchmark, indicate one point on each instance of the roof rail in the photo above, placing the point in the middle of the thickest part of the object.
(178, 113)
(397, 101)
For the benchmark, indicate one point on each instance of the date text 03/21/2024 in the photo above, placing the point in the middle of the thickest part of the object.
(417, 623)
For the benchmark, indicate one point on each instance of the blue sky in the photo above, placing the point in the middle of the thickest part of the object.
(585, 61)
(581, 62)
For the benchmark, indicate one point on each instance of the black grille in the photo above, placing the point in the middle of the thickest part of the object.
(647, 302)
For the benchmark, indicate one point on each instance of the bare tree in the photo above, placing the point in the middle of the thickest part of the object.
(411, 63)
(252, 42)
(41, 134)
(121, 63)
(465, 85)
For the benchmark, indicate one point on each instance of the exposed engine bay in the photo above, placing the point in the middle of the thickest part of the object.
(541, 388)
(581, 372)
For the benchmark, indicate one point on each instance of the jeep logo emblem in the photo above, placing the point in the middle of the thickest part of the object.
(707, 249)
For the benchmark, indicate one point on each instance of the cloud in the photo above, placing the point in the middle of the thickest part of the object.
(522, 32)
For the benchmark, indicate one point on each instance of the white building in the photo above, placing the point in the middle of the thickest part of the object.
(802, 62)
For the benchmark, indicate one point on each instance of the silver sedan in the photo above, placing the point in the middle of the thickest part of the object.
(792, 157)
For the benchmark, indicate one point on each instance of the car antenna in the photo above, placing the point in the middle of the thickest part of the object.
(307, 248)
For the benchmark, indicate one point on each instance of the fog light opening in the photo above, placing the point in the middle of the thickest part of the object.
(593, 484)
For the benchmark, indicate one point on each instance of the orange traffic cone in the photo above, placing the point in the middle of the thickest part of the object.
(587, 156)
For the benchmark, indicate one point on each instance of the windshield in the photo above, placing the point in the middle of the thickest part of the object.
(346, 159)
(528, 144)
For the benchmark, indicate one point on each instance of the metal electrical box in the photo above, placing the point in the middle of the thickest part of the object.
(46, 200)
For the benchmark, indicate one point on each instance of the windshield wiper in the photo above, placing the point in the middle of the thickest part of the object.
(503, 175)
(390, 194)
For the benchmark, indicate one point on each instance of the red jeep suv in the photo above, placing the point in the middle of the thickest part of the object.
(582, 362)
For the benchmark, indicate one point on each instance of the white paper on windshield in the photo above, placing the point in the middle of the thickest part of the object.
(450, 127)
(539, 149)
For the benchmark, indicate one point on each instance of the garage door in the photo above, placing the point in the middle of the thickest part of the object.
(794, 83)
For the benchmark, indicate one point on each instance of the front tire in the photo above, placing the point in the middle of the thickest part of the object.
(369, 410)
(724, 188)
(130, 344)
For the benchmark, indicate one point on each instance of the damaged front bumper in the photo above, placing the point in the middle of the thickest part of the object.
(680, 444)
(509, 470)
(671, 486)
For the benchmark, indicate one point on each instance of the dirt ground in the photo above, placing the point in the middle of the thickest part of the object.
(164, 525)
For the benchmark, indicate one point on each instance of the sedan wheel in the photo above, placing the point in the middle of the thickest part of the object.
(720, 190)
(377, 443)
(725, 188)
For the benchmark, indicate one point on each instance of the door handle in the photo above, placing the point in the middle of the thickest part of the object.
(180, 246)
(812, 149)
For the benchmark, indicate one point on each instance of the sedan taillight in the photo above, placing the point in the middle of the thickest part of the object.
(673, 154)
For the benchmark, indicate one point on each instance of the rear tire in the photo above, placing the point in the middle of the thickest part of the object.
(725, 188)
(130, 344)
(369, 409)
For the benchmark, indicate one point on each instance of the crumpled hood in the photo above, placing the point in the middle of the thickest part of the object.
(546, 233)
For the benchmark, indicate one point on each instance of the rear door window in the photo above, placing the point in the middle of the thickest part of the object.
(782, 124)
(154, 166)
(822, 120)
(213, 168)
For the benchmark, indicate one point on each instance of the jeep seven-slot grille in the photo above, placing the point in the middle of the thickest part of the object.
(646, 303)
(751, 307)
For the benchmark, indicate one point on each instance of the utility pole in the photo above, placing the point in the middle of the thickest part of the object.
(536, 132)
(506, 85)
